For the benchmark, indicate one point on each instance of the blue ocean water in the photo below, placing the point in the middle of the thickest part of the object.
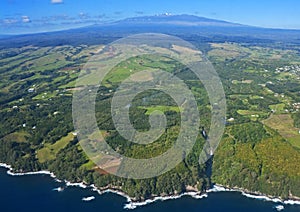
(35, 193)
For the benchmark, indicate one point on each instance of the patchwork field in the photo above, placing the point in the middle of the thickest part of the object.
(50, 150)
(283, 123)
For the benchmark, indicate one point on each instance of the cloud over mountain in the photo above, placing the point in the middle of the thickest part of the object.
(56, 1)
(25, 19)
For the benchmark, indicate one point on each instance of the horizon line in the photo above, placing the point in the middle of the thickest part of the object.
(111, 22)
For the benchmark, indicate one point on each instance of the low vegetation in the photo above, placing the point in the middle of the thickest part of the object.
(260, 150)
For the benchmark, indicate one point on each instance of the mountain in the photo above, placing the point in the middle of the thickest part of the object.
(179, 20)
(259, 151)
(189, 27)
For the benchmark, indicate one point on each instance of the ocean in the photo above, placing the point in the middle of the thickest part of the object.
(37, 193)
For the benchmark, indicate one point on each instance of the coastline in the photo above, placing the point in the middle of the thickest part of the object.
(132, 204)
(255, 195)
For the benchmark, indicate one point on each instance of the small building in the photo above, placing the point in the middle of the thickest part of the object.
(30, 90)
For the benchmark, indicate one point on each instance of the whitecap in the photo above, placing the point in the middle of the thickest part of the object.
(133, 205)
(81, 185)
(218, 188)
(59, 189)
(279, 207)
(87, 199)
(291, 202)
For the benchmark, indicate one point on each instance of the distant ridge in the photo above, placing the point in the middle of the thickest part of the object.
(180, 20)
(185, 26)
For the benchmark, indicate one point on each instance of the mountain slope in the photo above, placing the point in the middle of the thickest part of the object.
(179, 20)
(184, 26)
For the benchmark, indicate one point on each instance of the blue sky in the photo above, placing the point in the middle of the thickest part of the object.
(29, 16)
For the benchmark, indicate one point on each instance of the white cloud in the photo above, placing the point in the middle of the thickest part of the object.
(25, 19)
(10, 21)
(56, 1)
(83, 15)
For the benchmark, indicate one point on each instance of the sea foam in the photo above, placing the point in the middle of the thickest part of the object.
(132, 205)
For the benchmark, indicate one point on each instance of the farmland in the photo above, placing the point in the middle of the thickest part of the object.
(262, 91)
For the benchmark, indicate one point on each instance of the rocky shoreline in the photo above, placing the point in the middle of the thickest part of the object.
(191, 191)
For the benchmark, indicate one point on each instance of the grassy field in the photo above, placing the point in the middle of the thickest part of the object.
(160, 108)
(89, 165)
(50, 150)
(252, 114)
(45, 95)
(16, 136)
(283, 123)
(134, 65)
(278, 108)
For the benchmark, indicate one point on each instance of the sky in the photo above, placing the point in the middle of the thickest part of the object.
(31, 16)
